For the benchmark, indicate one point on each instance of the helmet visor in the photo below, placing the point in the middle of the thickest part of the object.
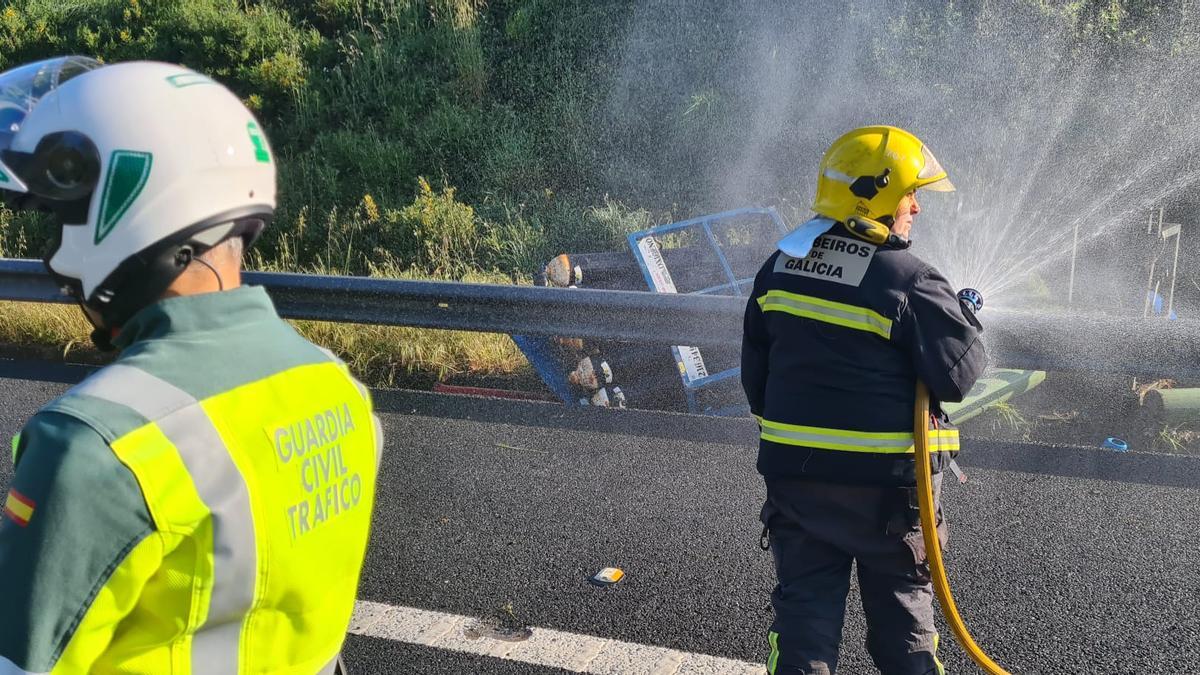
(932, 176)
(20, 90)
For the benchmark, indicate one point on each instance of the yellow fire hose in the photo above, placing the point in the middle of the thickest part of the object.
(933, 546)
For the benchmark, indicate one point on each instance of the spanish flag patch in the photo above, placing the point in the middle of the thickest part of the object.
(18, 507)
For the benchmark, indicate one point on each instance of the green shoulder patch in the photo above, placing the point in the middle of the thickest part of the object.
(128, 172)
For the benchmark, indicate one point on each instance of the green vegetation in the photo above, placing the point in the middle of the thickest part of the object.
(383, 356)
(457, 138)
(1006, 418)
(1176, 440)
(437, 137)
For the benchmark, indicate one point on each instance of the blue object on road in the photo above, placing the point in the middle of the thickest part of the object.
(1114, 443)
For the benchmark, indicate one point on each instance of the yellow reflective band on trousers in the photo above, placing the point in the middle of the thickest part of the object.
(877, 442)
(261, 498)
(827, 311)
(938, 662)
(773, 659)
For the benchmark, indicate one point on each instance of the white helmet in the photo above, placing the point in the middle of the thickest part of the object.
(145, 165)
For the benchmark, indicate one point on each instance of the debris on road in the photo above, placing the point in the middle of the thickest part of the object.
(608, 576)
(1115, 444)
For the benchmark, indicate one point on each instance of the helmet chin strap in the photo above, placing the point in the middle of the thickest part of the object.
(101, 336)
(876, 232)
(103, 339)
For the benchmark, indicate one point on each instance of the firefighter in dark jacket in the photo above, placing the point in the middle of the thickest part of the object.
(842, 321)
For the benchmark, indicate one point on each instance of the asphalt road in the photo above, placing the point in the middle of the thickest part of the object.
(1063, 559)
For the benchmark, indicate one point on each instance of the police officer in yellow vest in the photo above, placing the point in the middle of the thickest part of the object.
(202, 504)
(842, 321)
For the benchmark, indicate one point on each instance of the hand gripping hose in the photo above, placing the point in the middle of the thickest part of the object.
(933, 546)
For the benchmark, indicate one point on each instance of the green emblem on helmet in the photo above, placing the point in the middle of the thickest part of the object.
(3, 177)
(128, 172)
(188, 79)
(260, 145)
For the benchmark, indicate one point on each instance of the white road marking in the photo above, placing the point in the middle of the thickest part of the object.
(551, 648)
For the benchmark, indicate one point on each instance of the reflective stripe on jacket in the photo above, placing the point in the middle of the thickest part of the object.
(844, 440)
(833, 345)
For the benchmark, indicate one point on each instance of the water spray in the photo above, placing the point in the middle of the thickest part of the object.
(972, 301)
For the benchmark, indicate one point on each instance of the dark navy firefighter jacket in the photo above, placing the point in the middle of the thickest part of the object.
(832, 348)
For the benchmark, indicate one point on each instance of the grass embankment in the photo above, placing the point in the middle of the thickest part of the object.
(381, 356)
(497, 104)
(434, 237)
(390, 356)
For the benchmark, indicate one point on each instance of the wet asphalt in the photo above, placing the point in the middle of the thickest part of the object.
(1063, 559)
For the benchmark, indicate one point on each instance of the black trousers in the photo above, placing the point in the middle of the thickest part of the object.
(816, 531)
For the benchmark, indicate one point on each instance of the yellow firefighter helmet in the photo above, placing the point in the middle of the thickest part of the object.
(866, 173)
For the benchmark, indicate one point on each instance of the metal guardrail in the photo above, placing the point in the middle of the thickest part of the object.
(526, 310)
(1034, 341)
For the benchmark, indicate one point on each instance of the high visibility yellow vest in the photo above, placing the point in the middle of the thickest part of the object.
(261, 498)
